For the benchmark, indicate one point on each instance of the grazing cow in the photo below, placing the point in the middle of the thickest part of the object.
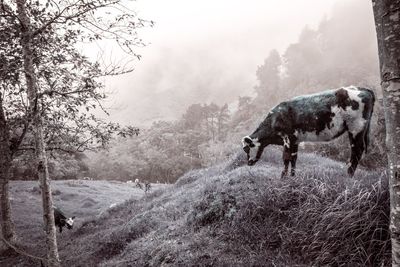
(61, 220)
(147, 186)
(318, 117)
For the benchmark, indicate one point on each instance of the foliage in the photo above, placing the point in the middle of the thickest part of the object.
(70, 89)
(208, 134)
(166, 150)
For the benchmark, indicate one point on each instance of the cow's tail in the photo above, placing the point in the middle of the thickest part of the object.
(368, 126)
(366, 135)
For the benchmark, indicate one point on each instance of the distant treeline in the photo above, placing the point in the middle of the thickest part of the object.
(340, 52)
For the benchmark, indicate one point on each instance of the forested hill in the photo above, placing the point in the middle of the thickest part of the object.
(341, 51)
(209, 133)
(234, 215)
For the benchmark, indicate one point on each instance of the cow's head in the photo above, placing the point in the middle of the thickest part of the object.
(253, 149)
(69, 222)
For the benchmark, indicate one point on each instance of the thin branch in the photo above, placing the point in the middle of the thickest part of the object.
(66, 94)
(70, 17)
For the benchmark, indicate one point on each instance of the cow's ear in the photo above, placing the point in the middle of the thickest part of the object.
(247, 140)
(73, 217)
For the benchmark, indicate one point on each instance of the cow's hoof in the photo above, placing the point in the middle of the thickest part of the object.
(350, 171)
(284, 174)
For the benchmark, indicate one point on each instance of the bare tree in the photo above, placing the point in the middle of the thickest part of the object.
(387, 22)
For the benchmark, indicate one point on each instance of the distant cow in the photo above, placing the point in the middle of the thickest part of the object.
(147, 186)
(61, 220)
(318, 117)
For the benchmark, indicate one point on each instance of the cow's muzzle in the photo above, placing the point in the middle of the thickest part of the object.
(251, 162)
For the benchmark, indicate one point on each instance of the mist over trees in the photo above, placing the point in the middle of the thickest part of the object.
(341, 51)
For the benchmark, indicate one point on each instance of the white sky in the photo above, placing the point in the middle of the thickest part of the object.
(205, 43)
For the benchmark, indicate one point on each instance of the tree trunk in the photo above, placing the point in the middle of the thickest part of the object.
(41, 159)
(7, 225)
(387, 22)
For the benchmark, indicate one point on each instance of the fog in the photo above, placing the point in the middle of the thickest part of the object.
(205, 51)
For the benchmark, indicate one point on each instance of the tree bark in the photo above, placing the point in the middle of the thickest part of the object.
(387, 22)
(7, 225)
(41, 159)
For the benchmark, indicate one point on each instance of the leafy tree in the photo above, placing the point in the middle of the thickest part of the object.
(223, 118)
(56, 83)
(193, 117)
(210, 113)
(245, 111)
(268, 76)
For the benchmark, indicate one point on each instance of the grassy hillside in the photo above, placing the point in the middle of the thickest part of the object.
(81, 198)
(235, 215)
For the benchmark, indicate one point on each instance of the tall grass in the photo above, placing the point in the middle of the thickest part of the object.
(317, 220)
(235, 215)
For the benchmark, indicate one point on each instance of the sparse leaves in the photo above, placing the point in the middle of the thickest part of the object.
(70, 89)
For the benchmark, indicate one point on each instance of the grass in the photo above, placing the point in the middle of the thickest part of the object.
(320, 222)
(236, 215)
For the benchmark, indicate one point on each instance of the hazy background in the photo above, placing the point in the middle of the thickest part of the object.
(206, 51)
(210, 73)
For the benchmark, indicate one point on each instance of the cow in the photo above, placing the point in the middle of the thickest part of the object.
(61, 220)
(319, 117)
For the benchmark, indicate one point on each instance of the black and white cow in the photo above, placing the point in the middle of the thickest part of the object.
(61, 220)
(318, 117)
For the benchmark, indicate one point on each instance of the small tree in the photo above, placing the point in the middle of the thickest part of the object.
(222, 121)
(268, 79)
(7, 225)
(387, 22)
(59, 81)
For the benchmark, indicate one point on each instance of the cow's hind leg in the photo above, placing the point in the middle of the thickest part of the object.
(357, 149)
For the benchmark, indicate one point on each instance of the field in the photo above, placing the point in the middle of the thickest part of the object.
(84, 199)
(227, 215)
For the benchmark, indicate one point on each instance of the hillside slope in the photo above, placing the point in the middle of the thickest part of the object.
(81, 198)
(236, 215)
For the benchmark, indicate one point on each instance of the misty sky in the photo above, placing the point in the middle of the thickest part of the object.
(203, 51)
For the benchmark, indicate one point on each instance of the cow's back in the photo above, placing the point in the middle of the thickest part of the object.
(326, 115)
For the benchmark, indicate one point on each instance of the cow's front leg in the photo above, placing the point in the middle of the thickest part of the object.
(290, 148)
(293, 158)
(286, 155)
(286, 163)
